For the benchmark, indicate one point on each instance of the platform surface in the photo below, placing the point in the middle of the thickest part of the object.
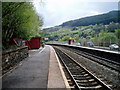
(39, 70)
(55, 77)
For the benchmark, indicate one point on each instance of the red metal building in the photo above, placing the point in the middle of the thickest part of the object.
(34, 43)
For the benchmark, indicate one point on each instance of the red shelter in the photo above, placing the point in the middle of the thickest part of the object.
(35, 42)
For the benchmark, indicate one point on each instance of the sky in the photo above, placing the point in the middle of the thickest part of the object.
(55, 12)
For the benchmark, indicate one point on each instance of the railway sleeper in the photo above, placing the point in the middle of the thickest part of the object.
(82, 78)
(89, 84)
(99, 87)
(85, 81)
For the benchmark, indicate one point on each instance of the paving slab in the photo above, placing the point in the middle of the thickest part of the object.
(32, 73)
(56, 77)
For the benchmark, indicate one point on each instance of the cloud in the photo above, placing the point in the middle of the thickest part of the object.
(95, 13)
(55, 12)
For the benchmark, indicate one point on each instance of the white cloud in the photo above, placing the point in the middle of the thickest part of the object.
(95, 13)
(55, 12)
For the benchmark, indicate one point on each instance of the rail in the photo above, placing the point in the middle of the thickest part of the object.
(107, 55)
(82, 78)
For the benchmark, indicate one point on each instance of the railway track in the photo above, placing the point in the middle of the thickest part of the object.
(80, 76)
(97, 59)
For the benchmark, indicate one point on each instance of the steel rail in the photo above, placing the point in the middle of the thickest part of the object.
(84, 54)
(69, 59)
(70, 74)
(109, 56)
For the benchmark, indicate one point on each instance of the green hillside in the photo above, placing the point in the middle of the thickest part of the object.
(106, 18)
(99, 29)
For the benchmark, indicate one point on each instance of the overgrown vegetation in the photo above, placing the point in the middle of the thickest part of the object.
(100, 34)
(19, 20)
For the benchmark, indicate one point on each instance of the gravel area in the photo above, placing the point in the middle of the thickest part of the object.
(110, 77)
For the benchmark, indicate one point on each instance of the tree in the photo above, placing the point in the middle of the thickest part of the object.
(96, 40)
(112, 26)
(19, 20)
(77, 38)
(107, 38)
(117, 33)
(66, 38)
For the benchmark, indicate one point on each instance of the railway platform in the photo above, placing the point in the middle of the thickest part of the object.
(41, 69)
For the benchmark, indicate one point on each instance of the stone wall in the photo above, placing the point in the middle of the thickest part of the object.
(13, 57)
